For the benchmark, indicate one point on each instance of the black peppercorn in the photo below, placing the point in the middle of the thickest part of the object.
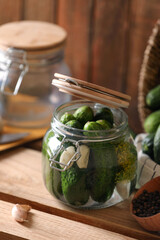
(146, 204)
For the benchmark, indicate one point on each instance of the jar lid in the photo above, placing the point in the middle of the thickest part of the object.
(90, 91)
(31, 35)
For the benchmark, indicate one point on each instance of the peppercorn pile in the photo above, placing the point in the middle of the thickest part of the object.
(146, 204)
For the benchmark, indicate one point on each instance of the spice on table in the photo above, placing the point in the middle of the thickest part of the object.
(146, 204)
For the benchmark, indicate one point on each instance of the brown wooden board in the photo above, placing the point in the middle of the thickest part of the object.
(109, 43)
(106, 39)
(21, 182)
(76, 18)
(10, 10)
(33, 134)
(44, 226)
(40, 10)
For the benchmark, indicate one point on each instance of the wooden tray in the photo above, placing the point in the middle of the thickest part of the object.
(33, 134)
(21, 182)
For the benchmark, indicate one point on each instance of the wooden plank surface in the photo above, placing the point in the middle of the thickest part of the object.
(40, 10)
(21, 182)
(109, 43)
(33, 134)
(43, 226)
(76, 18)
(10, 10)
(106, 39)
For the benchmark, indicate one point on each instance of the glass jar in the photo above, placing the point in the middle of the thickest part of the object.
(108, 174)
(28, 61)
(34, 104)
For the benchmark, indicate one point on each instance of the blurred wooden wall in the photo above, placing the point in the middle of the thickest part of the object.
(106, 39)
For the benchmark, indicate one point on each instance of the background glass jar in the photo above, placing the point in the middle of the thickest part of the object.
(30, 53)
(109, 174)
(34, 104)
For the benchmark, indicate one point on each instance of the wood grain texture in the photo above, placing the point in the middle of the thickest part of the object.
(10, 10)
(43, 226)
(40, 10)
(76, 17)
(109, 43)
(106, 39)
(33, 135)
(21, 182)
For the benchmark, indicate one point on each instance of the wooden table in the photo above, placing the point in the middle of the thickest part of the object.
(21, 182)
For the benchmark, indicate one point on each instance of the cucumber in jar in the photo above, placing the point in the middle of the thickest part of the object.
(74, 185)
(84, 114)
(102, 165)
(66, 117)
(52, 177)
(101, 180)
(104, 113)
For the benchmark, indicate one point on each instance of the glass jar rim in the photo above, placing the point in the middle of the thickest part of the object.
(112, 133)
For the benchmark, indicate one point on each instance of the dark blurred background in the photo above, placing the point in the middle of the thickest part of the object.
(106, 38)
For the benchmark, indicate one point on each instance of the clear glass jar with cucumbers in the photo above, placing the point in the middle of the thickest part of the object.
(89, 159)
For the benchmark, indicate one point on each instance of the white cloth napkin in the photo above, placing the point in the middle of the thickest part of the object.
(147, 168)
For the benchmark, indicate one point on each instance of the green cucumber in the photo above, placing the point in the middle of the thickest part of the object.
(74, 124)
(94, 127)
(156, 146)
(104, 113)
(147, 145)
(83, 114)
(74, 185)
(66, 117)
(101, 178)
(105, 124)
(153, 98)
(52, 177)
(152, 122)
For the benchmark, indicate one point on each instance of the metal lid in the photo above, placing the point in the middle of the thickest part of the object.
(90, 91)
(31, 35)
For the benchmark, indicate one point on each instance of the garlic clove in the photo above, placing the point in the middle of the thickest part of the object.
(66, 156)
(83, 160)
(19, 212)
